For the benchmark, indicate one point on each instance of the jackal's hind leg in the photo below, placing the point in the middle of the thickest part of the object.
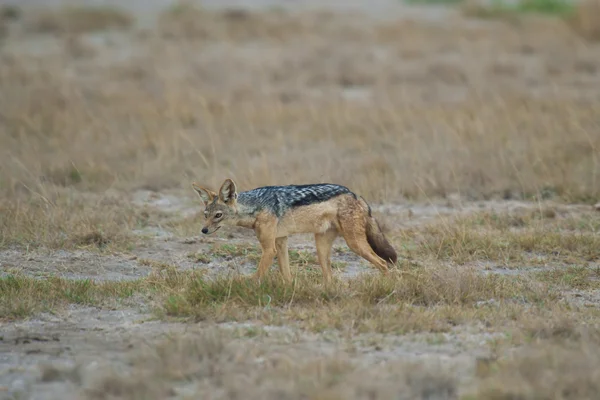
(353, 229)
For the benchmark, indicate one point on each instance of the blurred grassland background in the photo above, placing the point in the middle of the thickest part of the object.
(502, 104)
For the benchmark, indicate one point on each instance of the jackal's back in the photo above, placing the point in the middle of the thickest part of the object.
(279, 199)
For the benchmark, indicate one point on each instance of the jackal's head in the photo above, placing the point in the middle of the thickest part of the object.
(220, 209)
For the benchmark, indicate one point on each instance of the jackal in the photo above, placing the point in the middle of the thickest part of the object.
(275, 212)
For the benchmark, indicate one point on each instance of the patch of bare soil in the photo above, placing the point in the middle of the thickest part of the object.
(63, 356)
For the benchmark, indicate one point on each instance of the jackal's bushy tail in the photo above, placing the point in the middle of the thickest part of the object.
(378, 241)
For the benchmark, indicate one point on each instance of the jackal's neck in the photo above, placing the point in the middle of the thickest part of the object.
(248, 204)
(246, 214)
(245, 205)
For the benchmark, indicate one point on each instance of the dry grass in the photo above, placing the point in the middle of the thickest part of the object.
(433, 299)
(556, 358)
(21, 296)
(54, 220)
(511, 239)
(586, 19)
(142, 156)
(142, 122)
(77, 19)
(190, 21)
(417, 287)
(228, 251)
(581, 16)
(545, 370)
(214, 362)
(561, 326)
(559, 364)
(220, 362)
(556, 342)
(576, 277)
(480, 110)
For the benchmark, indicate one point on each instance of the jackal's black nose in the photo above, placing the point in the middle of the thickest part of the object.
(204, 230)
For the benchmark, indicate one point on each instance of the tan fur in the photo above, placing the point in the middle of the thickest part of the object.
(343, 216)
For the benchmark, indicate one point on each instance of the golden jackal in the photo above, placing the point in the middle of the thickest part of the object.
(275, 212)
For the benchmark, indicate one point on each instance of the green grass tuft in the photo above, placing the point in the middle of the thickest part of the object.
(22, 296)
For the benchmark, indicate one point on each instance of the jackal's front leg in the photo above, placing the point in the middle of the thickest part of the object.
(266, 260)
(281, 244)
(265, 232)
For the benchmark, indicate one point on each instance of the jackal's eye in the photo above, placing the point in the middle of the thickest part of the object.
(218, 215)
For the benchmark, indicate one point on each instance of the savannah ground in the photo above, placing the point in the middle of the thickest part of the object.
(472, 130)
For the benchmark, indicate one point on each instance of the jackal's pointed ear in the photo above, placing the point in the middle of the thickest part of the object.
(228, 191)
(206, 195)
